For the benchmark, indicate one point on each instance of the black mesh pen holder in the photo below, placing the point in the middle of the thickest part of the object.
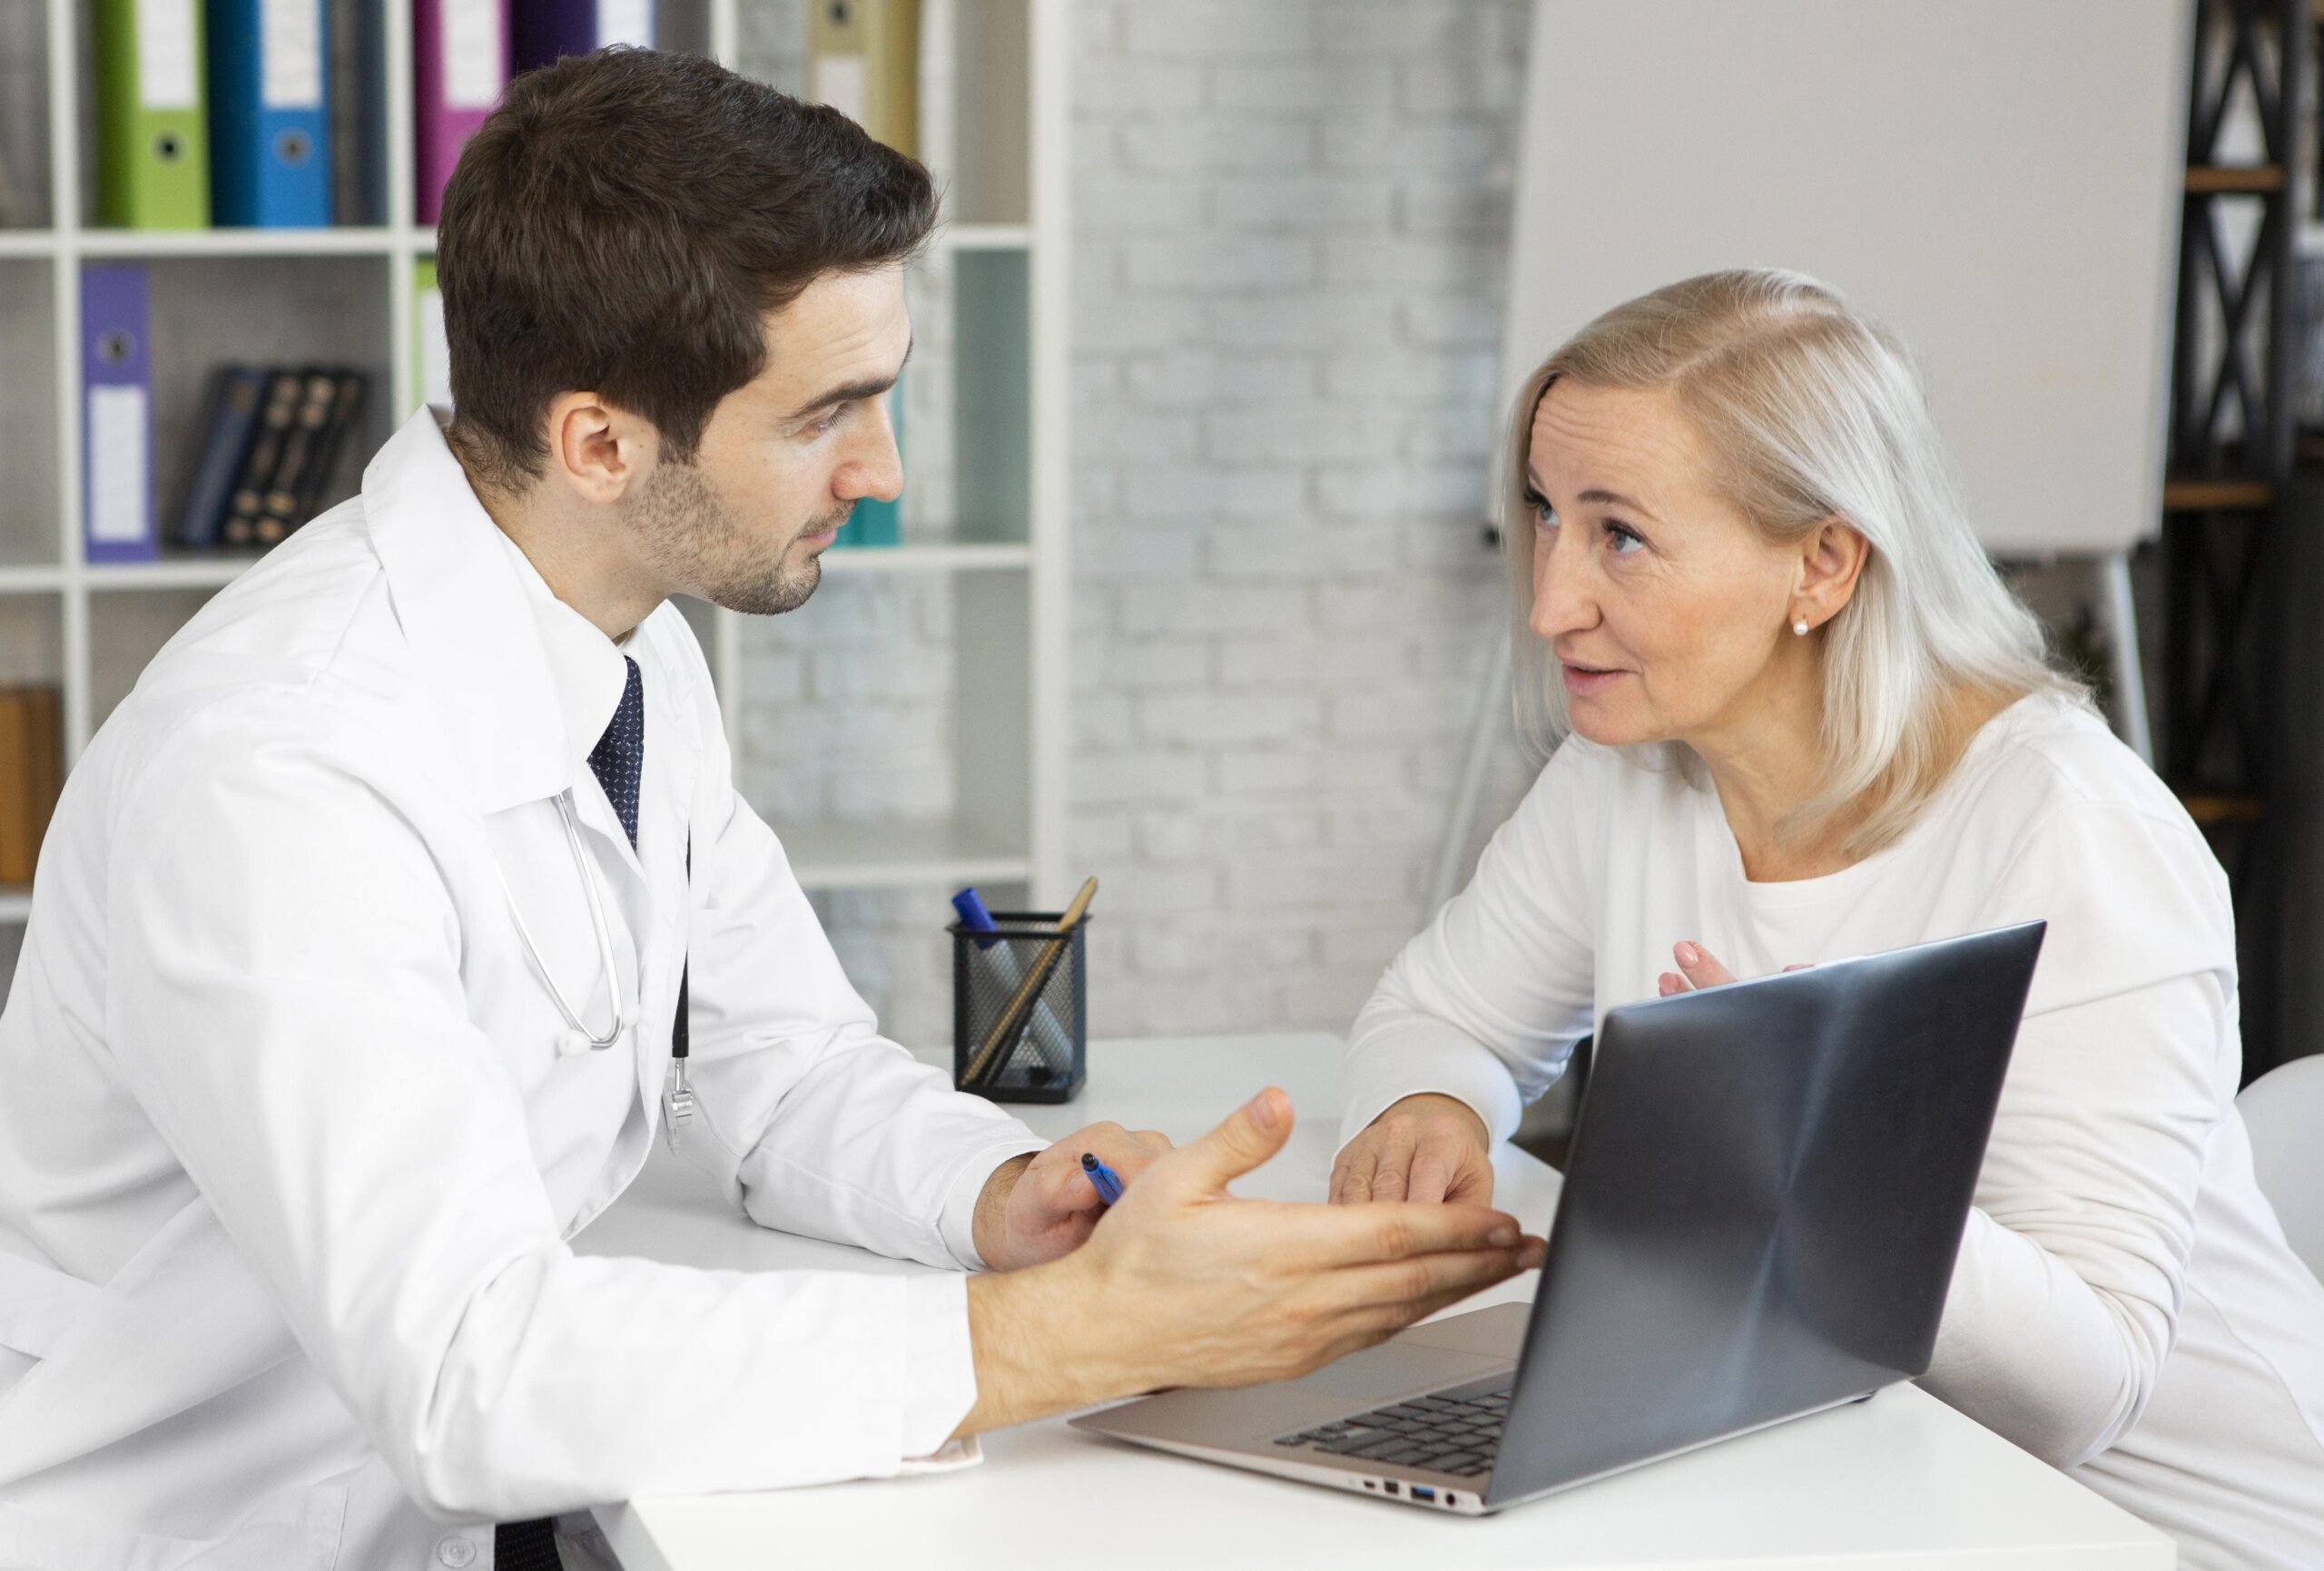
(1038, 1050)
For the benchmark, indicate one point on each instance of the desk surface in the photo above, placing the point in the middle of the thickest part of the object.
(1901, 1480)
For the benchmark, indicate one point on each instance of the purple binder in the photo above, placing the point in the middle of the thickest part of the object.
(540, 32)
(116, 416)
(460, 64)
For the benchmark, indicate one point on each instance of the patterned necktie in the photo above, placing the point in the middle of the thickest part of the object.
(619, 758)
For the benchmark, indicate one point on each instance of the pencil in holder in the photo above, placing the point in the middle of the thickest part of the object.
(1009, 1044)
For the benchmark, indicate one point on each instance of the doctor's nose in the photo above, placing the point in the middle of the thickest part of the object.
(872, 467)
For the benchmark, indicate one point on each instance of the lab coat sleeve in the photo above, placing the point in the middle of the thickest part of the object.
(1486, 1003)
(284, 999)
(2066, 1294)
(815, 1123)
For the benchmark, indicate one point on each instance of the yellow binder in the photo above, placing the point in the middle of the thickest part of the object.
(866, 65)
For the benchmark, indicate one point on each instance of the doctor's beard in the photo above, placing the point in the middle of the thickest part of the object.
(692, 538)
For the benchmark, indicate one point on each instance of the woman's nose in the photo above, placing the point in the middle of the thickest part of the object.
(1561, 604)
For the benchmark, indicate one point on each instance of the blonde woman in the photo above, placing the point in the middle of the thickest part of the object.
(1801, 717)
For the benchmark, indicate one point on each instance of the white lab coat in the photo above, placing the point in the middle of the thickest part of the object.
(292, 1137)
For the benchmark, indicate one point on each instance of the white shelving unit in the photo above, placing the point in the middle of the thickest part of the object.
(344, 294)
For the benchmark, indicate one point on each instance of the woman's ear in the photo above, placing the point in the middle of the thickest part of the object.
(1831, 555)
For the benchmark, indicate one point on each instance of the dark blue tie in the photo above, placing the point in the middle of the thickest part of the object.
(619, 758)
(617, 761)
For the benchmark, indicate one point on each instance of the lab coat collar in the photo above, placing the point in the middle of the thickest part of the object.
(587, 669)
(527, 684)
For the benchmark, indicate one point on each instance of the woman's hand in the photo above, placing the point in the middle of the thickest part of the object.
(1699, 968)
(1425, 1148)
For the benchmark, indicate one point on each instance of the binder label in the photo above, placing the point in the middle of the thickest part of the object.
(473, 68)
(117, 483)
(167, 65)
(291, 54)
(840, 81)
(626, 22)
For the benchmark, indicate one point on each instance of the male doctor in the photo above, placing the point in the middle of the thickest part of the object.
(368, 921)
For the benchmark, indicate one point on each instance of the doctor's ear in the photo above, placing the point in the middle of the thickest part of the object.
(597, 451)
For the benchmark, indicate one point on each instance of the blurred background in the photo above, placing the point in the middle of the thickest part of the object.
(1193, 584)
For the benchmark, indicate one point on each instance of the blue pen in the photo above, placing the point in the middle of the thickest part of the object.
(1109, 1182)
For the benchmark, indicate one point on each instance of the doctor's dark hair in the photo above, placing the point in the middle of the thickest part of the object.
(623, 222)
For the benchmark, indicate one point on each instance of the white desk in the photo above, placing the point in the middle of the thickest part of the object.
(1902, 1480)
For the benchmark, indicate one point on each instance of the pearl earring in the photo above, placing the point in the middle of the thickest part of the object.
(1799, 628)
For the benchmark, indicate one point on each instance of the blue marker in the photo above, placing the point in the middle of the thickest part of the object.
(1109, 1182)
(974, 916)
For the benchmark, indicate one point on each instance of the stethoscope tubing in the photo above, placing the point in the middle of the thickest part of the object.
(590, 887)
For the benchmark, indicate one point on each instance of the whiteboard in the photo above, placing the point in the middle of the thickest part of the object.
(1998, 180)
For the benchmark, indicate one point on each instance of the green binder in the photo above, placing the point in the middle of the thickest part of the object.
(152, 132)
(431, 357)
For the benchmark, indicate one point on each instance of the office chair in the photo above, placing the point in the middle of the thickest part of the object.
(2285, 1110)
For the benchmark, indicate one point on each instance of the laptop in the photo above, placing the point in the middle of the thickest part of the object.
(1765, 1190)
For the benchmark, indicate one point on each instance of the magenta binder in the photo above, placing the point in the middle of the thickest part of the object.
(460, 64)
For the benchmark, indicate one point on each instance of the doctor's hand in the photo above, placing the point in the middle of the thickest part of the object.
(1035, 1209)
(1425, 1148)
(1184, 1284)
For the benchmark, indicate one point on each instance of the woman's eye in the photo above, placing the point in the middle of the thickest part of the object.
(1624, 539)
(1544, 515)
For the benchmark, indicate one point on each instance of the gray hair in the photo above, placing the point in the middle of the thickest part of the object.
(1810, 411)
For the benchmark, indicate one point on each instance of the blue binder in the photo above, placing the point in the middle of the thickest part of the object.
(270, 112)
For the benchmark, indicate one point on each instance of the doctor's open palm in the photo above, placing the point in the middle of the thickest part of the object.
(1184, 1284)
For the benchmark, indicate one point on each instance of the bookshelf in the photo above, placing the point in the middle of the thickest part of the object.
(992, 542)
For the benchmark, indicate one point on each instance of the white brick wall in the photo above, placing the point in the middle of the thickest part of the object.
(1289, 232)
(1287, 262)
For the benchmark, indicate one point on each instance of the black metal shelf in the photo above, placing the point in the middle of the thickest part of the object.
(2232, 458)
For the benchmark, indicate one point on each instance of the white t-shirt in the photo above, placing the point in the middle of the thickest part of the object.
(2124, 1305)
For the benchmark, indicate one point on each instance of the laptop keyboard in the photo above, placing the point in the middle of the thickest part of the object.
(1449, 1431)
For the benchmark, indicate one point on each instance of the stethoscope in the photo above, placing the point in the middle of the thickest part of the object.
(590, 886)
(677, 1096)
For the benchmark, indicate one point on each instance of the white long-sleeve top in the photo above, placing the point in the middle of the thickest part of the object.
(2124, 1305)
(292, 1135)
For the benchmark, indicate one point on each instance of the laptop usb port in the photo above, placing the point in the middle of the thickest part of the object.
(1393, 1486)
(1423, 1492)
